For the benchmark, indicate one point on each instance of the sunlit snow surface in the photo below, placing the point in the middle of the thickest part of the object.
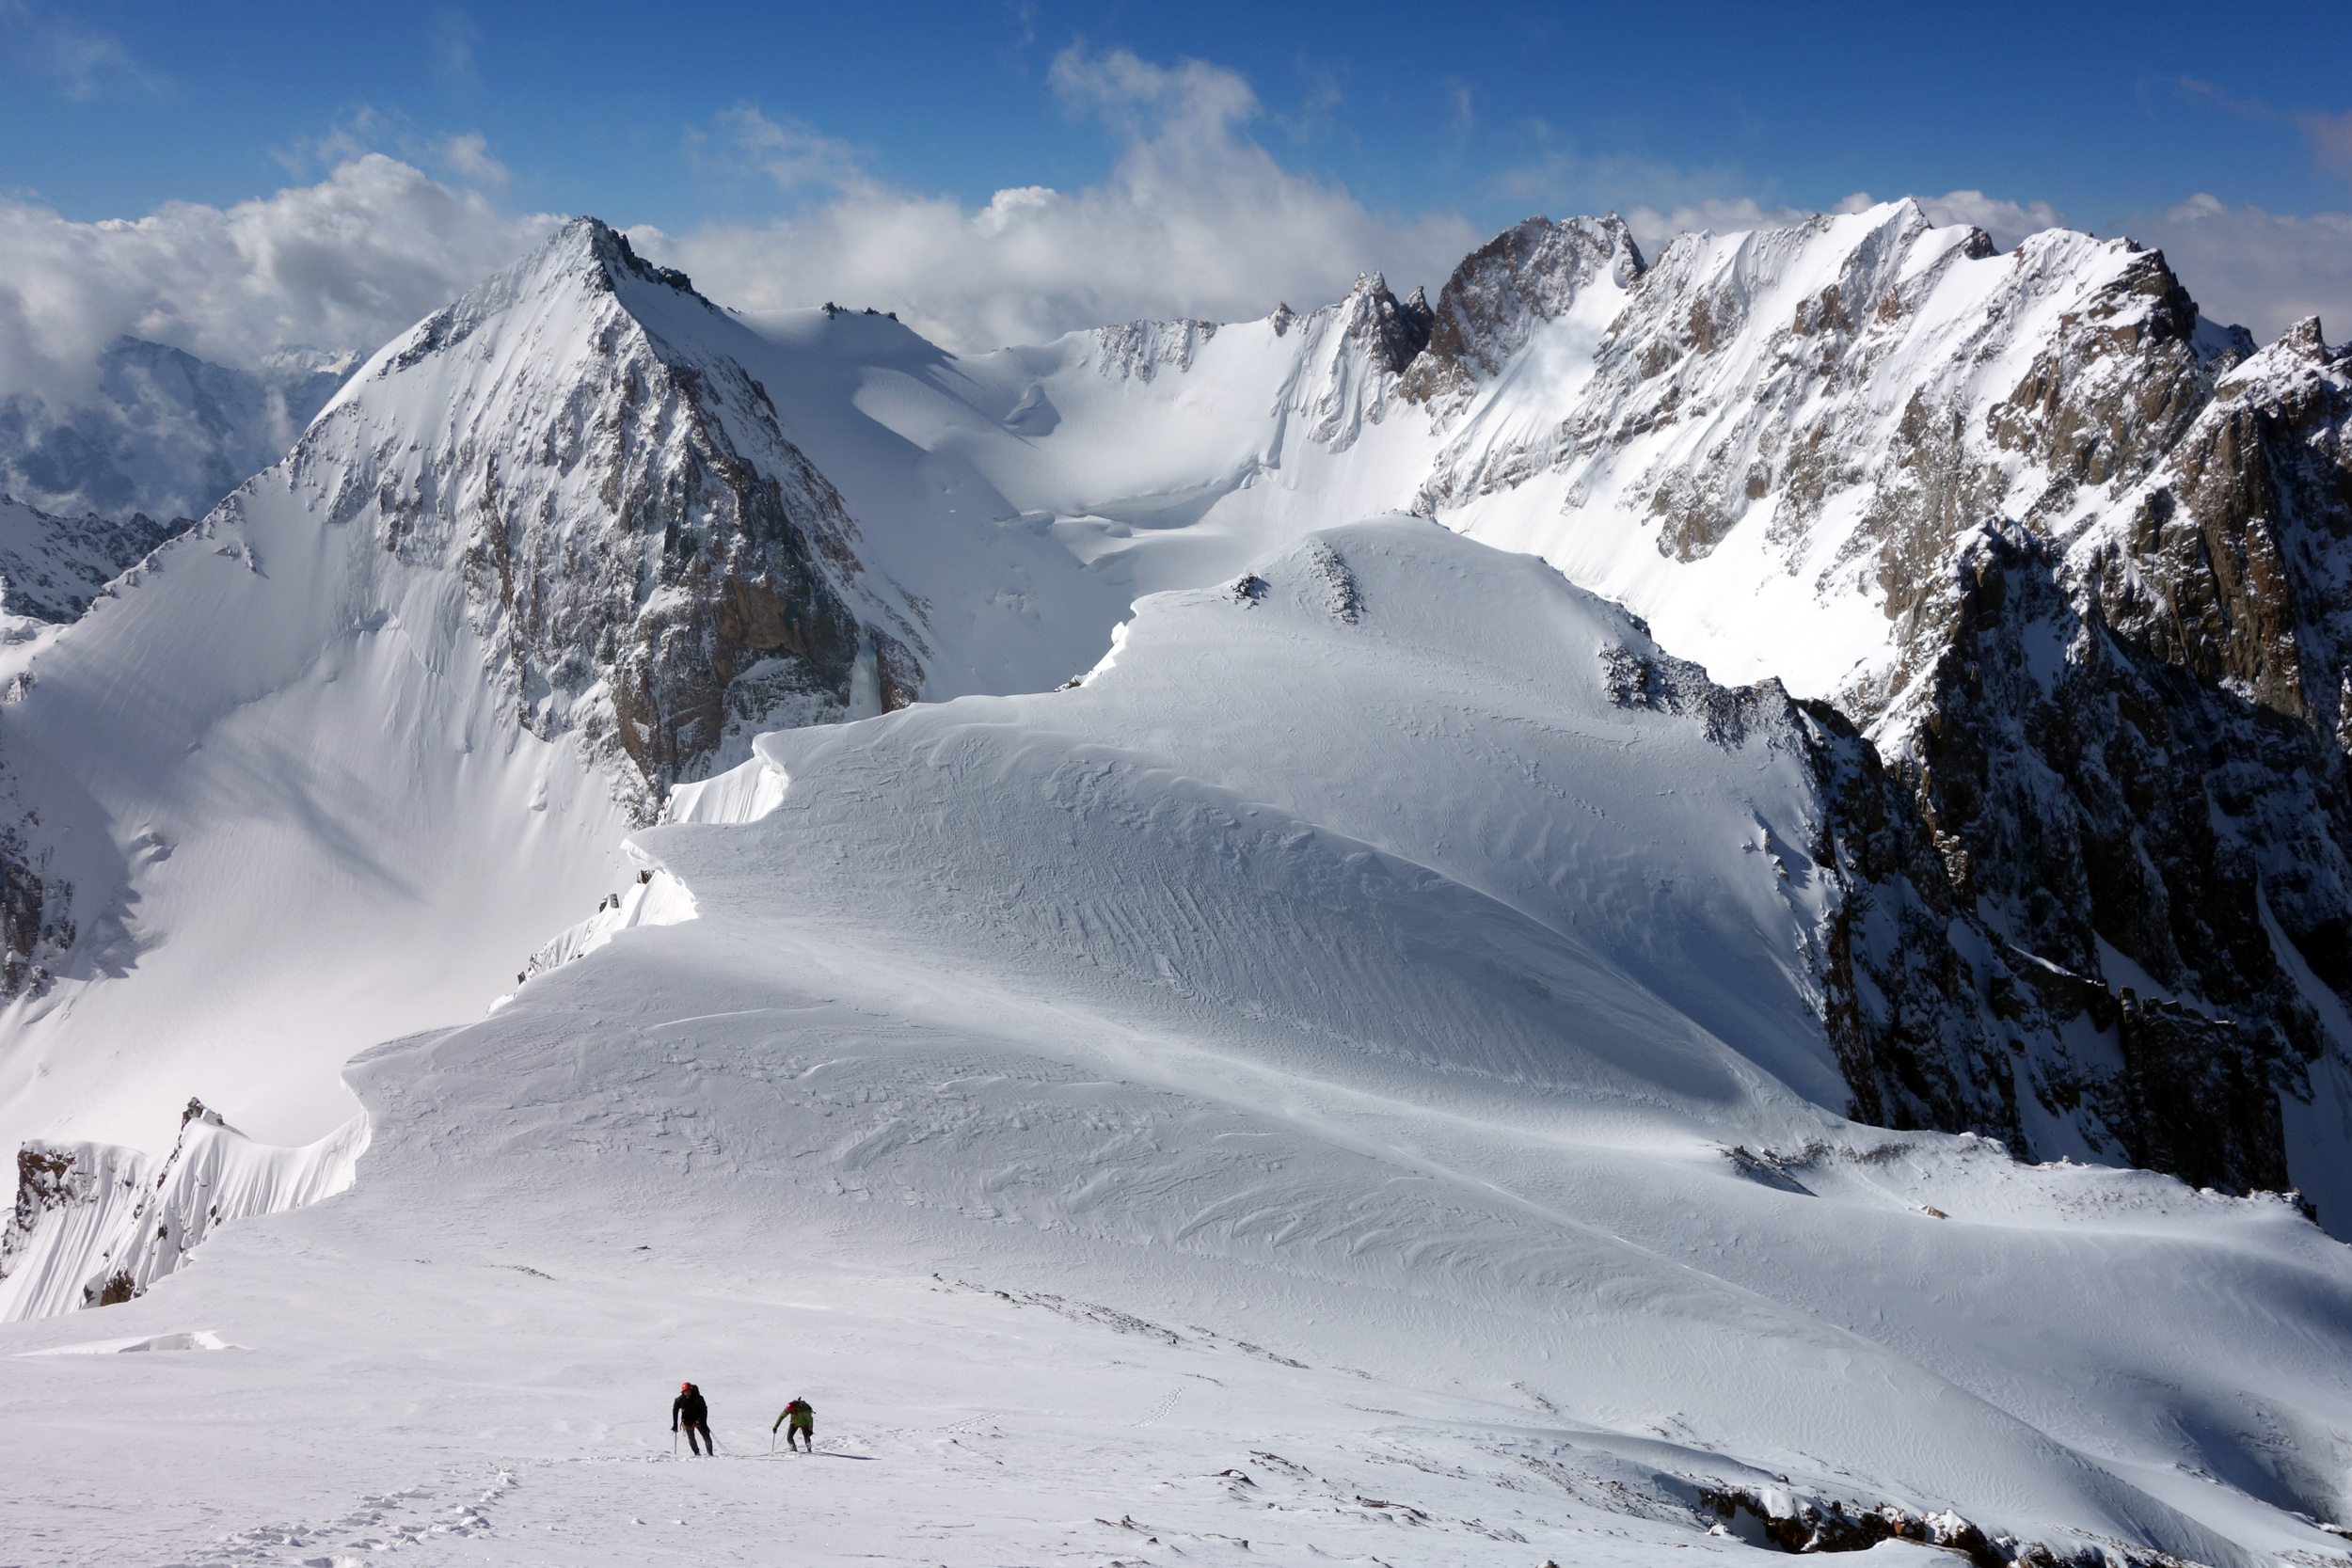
(1337, 1084)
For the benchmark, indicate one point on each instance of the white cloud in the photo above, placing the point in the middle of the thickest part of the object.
(345, 263)
(464, 156)
(81, 62)
(451, 43)
(1655, 229)
(2008, 222)
(795, 156)
(2330, 136)
(1194, 219)
(2263, 270)
(467, 157)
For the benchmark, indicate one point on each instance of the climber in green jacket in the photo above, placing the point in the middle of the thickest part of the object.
(804, 1421)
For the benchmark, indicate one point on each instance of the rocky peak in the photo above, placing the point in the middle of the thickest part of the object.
(1504, 290)
(1391, 334)
(2100, 745)
(653, 567)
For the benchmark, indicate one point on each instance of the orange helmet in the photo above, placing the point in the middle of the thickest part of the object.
(684, 1387)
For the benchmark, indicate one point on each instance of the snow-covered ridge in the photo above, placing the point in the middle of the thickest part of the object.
(656, 899)
(96, 1223)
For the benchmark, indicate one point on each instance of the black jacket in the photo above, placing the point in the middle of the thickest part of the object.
(689, 1406)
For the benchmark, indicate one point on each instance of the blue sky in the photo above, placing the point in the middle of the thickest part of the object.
(328, 174)
(1493, 109)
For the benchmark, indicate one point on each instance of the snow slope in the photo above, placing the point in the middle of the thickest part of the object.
(1159, 454)
(1141, 1123)
(292, 818)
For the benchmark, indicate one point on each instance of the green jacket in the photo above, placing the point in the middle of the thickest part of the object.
(800, 1414)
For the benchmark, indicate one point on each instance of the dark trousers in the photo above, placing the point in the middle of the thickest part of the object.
(796, 1430)
(706, 1446)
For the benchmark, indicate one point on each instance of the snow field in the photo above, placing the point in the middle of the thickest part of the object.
(1231, 1093)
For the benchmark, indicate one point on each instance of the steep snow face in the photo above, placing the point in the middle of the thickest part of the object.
(1339, 1078)
(95, 1226)
(163, 432)
(281, 792)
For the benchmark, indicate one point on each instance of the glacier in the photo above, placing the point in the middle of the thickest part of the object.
(1389, 1062)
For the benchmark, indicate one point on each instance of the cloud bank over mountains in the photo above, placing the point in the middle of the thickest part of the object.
(1195, 218)
(343, 263)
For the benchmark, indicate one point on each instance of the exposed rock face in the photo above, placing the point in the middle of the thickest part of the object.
(655, 567)
(1390, 333)
(2133, 749)
(1504, 290)
(2091, 812)
(34, 929)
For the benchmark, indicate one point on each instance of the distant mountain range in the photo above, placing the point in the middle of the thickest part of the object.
(162, 432)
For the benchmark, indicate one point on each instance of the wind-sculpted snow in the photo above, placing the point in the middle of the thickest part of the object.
(95, 1224)
(1500, 847)
(1349, 1086)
